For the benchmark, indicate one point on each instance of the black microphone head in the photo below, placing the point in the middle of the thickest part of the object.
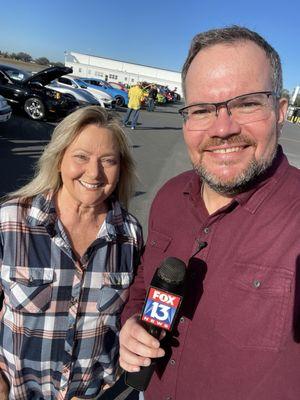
(172, 270)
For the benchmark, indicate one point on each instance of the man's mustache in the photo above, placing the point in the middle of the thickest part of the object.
(232, 140)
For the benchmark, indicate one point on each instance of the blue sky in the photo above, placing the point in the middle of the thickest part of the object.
(156, 32)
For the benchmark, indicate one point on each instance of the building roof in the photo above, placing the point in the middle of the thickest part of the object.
(123, 61)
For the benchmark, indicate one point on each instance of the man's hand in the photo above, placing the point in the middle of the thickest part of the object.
(4, 388)
(137, 346)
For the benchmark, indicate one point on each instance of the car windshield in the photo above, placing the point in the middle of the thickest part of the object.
(107, 84)
(81, 83)
(16, 74)
(100, 83)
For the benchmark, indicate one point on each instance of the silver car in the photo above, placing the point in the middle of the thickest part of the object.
(83, 97)
(5, 110)
(104, 99)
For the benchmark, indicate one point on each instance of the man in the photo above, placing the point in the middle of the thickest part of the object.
(234, 220)
(136, 96)
(151, 98)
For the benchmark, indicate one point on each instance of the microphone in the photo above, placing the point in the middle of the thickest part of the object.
(161, 306)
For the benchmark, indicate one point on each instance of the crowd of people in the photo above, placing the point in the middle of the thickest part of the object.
(74, 270)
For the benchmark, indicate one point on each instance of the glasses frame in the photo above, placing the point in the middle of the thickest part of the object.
(184, 114)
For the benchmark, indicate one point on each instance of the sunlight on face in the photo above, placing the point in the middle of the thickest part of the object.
(90, 167)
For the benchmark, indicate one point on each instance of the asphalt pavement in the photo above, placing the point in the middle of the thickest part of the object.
(157, 145)
(158, 150)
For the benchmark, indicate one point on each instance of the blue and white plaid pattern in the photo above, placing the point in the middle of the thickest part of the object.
(60, 318)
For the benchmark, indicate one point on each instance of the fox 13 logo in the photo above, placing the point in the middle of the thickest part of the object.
(160, 308)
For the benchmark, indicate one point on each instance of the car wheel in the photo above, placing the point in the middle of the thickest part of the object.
(120, 101)
(35, 108)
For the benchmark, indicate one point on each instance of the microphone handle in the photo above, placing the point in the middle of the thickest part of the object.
(140, 380)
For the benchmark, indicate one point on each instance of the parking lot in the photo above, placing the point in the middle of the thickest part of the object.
(157, 145)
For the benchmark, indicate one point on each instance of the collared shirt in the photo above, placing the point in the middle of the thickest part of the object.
(135, 95)
(60, 317)
(238, 334)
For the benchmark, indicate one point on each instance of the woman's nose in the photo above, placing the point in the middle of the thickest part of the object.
(95, 169)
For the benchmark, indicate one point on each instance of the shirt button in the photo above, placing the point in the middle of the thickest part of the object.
(73, 301)
(256, 283)
(153, 242)
(66, 369)
(181, 320)
(206, 230)
(172, 362)
(168, 398)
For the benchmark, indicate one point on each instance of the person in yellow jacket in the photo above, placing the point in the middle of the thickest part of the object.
(136, 96)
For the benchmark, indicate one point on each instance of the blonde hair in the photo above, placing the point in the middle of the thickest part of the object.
(47, 176)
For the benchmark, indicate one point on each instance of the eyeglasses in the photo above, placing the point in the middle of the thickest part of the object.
(250, 107)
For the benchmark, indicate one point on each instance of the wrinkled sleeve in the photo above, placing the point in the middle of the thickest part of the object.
(137, 295)
(1, 258)
(137, 289)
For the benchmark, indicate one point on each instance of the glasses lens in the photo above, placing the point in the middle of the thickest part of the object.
(199, 117)
(250, 108)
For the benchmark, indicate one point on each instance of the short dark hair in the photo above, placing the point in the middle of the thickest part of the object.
(233, 34)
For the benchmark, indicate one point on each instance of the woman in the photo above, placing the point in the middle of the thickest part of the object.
(68, 251)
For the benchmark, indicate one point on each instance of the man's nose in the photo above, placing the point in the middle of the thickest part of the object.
(224, 124)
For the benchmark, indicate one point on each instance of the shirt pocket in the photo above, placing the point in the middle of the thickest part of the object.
(156, 249)
(114, 292)
(254, 306)
(30, 289)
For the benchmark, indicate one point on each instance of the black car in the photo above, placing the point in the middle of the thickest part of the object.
(28, 92)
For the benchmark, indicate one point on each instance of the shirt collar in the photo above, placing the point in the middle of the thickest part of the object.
(253, 197)
(42, 212)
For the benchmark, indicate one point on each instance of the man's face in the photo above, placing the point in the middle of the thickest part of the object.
(229, 155)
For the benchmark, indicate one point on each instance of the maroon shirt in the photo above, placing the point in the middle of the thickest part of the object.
(239, 333)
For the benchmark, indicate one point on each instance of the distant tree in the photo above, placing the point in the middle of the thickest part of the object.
(42, 61)
(4, 54)
(285, 93)
(24, 56)
(13, 55)
(57, 64)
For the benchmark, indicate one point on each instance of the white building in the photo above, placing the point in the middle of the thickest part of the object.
(85, 65)
(295, 94)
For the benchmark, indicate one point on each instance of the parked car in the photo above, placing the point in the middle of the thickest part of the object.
(28, 92)
(82, 96)
(120, 96)
(5, 110)
(105, 99)
(118, 85)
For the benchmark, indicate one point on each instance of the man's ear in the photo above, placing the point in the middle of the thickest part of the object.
(282, 110)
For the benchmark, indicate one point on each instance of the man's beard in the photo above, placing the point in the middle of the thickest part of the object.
(242, 182)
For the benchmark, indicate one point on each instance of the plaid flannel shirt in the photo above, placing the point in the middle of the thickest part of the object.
(60, 318)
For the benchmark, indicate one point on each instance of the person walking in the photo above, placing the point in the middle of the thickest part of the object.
(136, 96)
(151, 98)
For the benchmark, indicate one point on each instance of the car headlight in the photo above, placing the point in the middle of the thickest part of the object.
(53, 94)
(3, 103)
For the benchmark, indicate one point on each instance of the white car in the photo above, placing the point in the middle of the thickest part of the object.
(83, 97)
(104, 99)
(5, 110)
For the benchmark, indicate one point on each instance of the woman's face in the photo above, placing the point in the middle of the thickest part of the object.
(90, 167)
